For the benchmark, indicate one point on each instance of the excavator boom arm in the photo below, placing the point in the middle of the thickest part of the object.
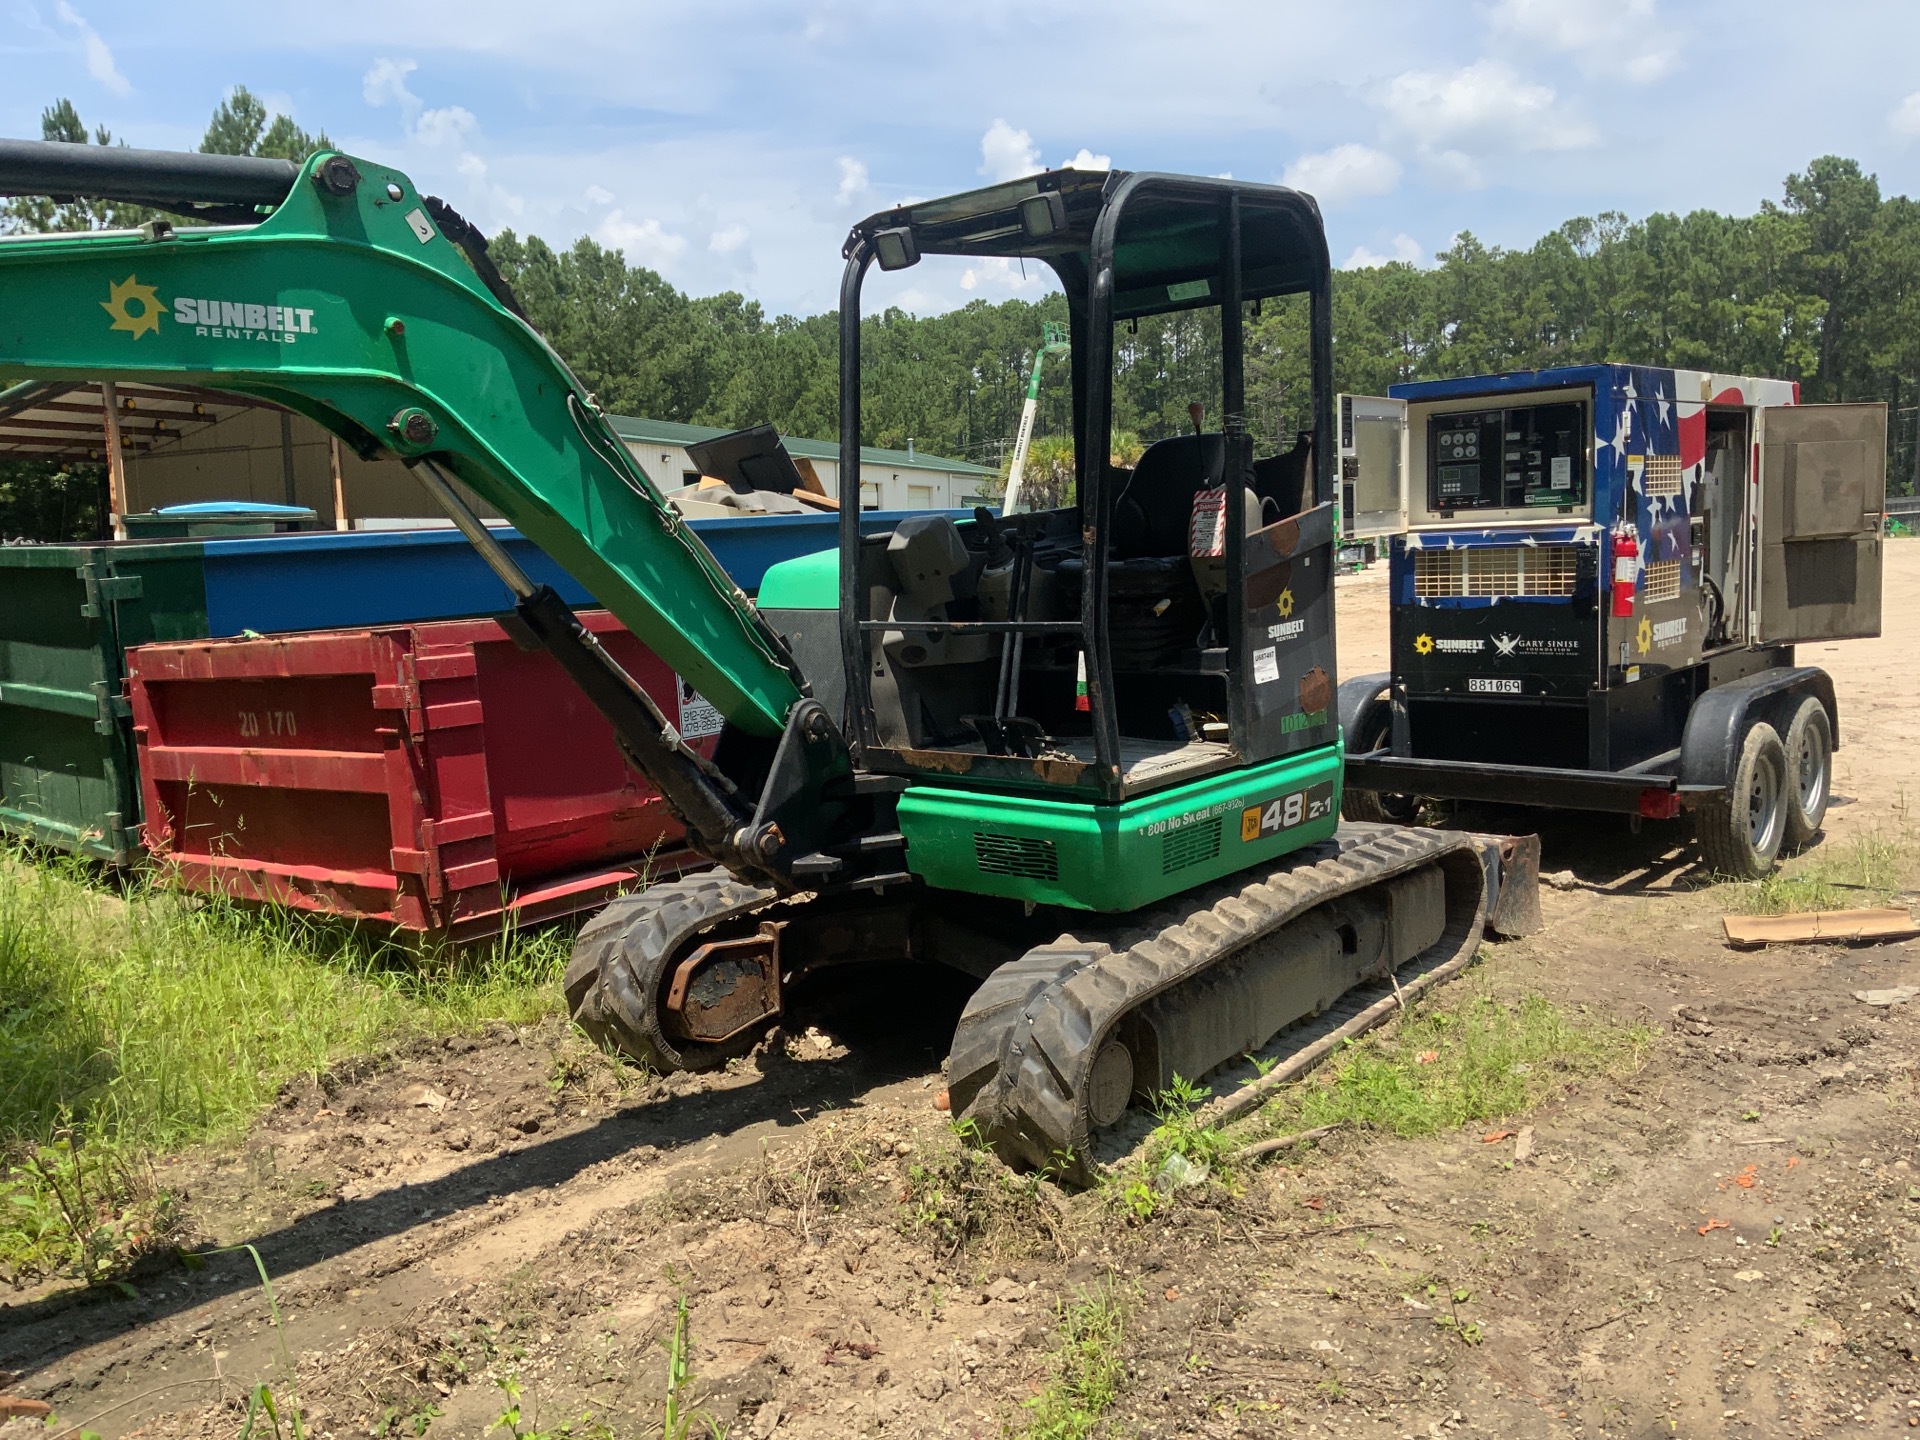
(350, 305)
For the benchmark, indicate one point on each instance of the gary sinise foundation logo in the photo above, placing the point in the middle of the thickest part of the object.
(137, 309)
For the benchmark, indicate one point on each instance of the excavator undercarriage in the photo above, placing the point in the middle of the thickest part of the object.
(1070, 1026)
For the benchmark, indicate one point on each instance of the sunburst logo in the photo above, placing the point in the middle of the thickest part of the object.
(1423, 644)
(135, 308)
(1643, 637)
(1285, 603)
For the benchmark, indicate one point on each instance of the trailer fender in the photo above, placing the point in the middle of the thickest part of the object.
(1357, 699)
(1710, 746)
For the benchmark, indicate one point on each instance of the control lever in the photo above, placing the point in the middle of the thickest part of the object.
(998, 552)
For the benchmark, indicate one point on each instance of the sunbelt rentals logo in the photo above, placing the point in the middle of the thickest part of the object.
(137, 309)
(1288, 627)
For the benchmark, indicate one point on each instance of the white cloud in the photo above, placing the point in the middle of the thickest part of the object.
(1454, 118)
(996, 272)
(725, 242)
(386, 84)
(1344, 173)
(1087, 160)
(100, 62)
(1406, 251)
(597, 195)
(452, 125)
(1007, 153)
(449, 134)
(1905, 119)
(647, 242)
(1595, 32)
(853, 180)
(1456, 168)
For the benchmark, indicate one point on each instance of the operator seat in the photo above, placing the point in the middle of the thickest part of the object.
(1151, 517)
(1281, 480)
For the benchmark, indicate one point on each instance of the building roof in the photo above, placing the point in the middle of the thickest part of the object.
(672, 432)
(63, 420)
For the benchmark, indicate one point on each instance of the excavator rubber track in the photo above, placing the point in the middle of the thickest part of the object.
(1214, 974)
(1025, 1054)
(618, 969)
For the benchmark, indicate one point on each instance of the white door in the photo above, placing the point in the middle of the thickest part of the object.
(1823, 485)
(1373, 466)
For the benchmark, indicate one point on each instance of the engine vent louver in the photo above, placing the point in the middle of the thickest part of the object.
(1663, 581)
(1664, 475)
(1020, 856)
(1494, 571)
(1191, 846)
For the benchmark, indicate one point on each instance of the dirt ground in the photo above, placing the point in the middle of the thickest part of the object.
(1723, 1244)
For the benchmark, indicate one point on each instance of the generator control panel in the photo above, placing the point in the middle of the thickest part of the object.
(1493, 459)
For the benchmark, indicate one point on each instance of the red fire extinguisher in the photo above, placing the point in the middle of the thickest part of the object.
(1626, 564)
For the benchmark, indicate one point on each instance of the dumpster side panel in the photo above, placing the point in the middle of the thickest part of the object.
(555, 811)
(431, 776)
(66, 762)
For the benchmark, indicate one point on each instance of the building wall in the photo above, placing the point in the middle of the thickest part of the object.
(241, 458)
(890, 487)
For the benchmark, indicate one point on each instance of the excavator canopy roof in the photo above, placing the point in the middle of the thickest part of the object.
(1168, 241)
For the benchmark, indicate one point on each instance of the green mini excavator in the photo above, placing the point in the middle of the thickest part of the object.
(1088, 755)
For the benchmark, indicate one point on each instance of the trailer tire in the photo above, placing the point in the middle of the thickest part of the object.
(1376, 732)
(1809, 745)
(1740, 831)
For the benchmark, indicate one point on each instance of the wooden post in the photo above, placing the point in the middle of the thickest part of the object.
(116, 461)
(289, 491)
(340, 521)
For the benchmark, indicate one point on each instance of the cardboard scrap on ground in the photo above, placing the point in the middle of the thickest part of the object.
(1891, 922)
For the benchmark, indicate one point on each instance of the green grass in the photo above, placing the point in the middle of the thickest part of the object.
(1087, 1370)
(161, 1019)
(1471, 1059)
(134, 1023)
(1137, 1190)
(1865, 871)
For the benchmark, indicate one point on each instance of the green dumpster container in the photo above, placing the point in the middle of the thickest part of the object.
(67, 615)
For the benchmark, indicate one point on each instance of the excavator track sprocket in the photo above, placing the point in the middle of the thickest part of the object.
(618, 970)
(1033, 1061)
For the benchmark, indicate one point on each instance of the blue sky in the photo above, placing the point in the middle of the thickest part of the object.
(729, 144)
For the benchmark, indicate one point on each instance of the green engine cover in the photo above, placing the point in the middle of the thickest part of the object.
(1120, 857)
(806, 582)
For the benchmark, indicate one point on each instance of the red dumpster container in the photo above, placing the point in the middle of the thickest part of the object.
(434, 776)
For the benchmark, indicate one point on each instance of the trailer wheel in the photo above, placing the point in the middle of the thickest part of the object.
(1371, 805)
(1740, 832)
(1809, 745)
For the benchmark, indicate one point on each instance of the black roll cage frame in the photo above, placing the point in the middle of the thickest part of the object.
(1091, 315)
